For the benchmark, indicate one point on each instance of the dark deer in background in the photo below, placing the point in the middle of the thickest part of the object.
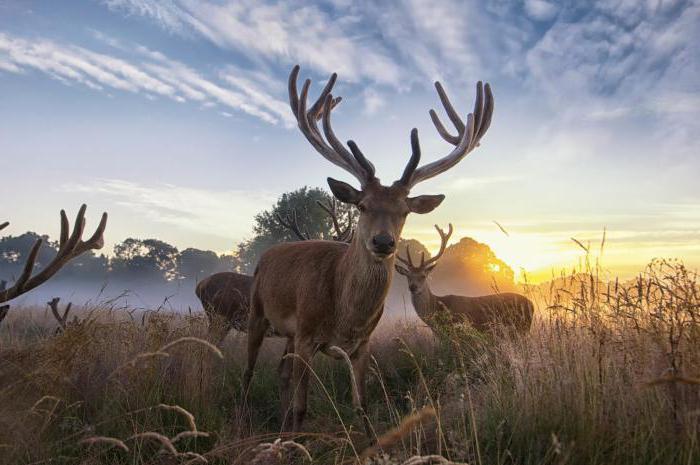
(70, 245)
(225, 295)
(508, 309)
(325, 296)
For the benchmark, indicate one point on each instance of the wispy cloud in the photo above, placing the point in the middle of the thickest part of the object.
(273, 31)
(151, 74)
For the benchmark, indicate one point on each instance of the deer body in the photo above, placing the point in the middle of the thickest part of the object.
(483, 312)
(225, 298)
(323, 295)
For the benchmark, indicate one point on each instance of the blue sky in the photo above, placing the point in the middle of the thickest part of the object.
(173, 116)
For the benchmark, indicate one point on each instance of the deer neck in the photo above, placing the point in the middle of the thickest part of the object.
(424, 302)
(362, 285)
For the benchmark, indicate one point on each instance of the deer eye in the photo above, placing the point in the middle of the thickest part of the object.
(362, 208)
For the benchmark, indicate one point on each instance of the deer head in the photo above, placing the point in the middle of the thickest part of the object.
(383, 209)
(417, 274)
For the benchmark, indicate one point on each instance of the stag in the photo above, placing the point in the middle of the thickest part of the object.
(329, 296)
(484, 313)
(70, 246)
(225, 295)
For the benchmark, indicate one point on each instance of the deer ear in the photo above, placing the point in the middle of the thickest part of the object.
(430, 267)
(401, 270)
(424, 203)
(344, 191)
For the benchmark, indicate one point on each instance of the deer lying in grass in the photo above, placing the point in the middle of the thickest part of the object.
(323, 295)
(70, 245)
(225, 295)
(484, 313)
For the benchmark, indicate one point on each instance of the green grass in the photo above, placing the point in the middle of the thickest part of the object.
(605, 377)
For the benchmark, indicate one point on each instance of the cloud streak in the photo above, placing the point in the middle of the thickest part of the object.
(152, 74)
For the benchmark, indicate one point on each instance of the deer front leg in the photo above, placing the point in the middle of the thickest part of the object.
(304, 350)
(285, 373)
(360, 361)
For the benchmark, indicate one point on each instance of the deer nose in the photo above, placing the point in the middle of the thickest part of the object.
(383, 243)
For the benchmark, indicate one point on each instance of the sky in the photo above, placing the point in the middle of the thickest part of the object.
(172, 115)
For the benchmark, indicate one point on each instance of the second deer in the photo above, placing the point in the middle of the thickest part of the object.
(484, 313)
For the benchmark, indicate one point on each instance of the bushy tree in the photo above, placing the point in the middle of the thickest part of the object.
(145, 259)
(313, 221)
(472, 268)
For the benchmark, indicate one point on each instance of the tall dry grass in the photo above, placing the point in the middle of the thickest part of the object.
(608, 375)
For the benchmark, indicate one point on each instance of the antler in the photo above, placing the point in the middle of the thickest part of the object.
(341, 235)
(467, 138)
(444, 238)
(70, 246)
(61, 319)
(331, 148)
(292, 224)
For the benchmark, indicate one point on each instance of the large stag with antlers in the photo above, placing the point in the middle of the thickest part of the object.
(484, 313)
(70, 246)
(322, 295)
(225, 295)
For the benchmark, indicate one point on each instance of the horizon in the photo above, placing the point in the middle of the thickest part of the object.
(174, 120)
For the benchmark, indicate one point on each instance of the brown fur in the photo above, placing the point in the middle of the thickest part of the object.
(483, 312)
(225, 298)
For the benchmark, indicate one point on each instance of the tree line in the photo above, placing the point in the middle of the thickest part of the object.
(467, 265)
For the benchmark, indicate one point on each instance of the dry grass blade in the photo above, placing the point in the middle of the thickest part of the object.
(165, 442)
(277, 451)
(429, 460)
(393, 436)
(40, 401)
(501, 228)
(112, 442)
(212, 348)
(188, 434)
(580, 244)
(138, 359)
(183, 412)
(193, 457)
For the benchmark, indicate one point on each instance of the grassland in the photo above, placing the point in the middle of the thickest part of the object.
(608, 375)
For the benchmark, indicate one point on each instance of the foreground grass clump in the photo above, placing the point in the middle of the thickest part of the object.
(608, 375)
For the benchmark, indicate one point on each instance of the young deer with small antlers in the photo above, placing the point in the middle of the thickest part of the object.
(484, 313)
(324, 295)
(225, 295)
(70, 245)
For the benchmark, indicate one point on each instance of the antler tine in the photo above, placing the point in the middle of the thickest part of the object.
(331, 148)
(444, 238)
(4, 225)
(408, 261)
(468, 135)
(413, 161)
(70, 246)
(331, 210)
(292, 224)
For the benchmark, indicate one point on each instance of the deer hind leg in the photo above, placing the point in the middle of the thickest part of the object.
(285, 373)
(257, 327)
(360, 362)
(304, 351)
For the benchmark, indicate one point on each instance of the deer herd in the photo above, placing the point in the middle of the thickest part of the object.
(328, 295)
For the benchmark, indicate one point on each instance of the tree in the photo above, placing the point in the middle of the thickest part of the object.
(312, 220)
(195, 264)
(145, 259)
(471, 268)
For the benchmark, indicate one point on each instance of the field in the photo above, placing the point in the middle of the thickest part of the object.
(608, 375)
